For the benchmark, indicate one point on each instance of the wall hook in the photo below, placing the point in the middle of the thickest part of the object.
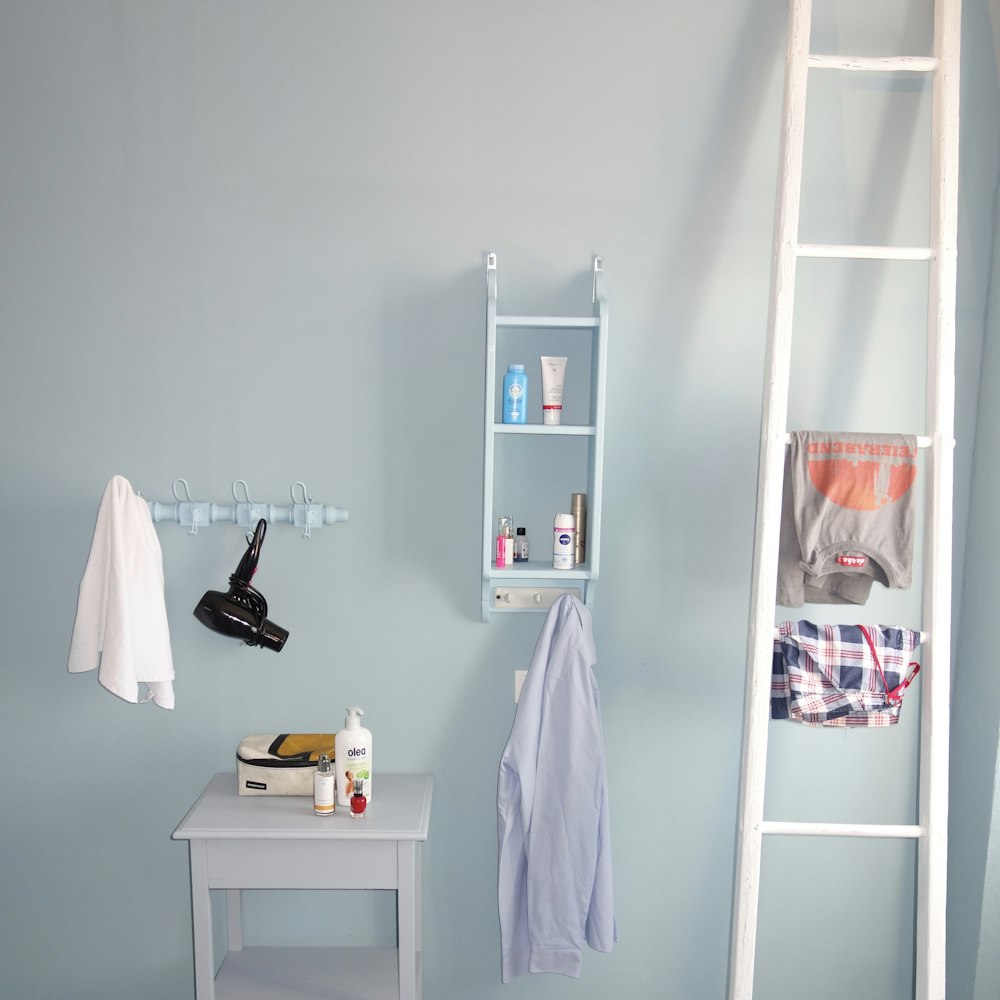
(187, 491)
(304, 512)
(248, 513)
(190, 511)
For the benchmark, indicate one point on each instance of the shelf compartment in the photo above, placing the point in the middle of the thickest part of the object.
(268, 973)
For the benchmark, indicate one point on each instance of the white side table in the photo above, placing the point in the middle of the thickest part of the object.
(277, 842)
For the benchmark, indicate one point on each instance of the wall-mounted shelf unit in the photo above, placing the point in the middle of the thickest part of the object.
(571, 453)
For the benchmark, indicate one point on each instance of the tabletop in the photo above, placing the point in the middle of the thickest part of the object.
(400, 810)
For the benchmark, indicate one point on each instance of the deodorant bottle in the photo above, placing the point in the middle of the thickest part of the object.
(563, 541)
(352, 751)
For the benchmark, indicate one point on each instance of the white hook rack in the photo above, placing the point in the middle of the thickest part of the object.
(530, 598)
(195, 514)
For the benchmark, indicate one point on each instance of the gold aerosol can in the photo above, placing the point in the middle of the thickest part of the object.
(578, 508)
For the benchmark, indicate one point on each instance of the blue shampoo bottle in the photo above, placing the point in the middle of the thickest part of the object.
(515, 395)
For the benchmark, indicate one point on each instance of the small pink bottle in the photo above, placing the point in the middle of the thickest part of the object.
(505, 541)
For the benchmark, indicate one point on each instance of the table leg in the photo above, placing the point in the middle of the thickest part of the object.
(201, 922)
(418, 885)
(234, 919)
(407, 920)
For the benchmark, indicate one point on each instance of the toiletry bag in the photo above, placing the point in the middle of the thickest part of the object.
(280, 764)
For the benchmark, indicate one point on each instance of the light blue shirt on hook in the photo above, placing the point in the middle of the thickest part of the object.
(554, 885)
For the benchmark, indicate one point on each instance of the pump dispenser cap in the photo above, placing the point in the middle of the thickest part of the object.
(324, 765)
(353, 720)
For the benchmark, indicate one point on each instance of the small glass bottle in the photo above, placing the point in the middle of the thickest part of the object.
(358, 800)
(521, 546)
(505, 541)
(324, 801)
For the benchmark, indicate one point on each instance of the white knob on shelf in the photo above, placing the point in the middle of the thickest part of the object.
(537, 598)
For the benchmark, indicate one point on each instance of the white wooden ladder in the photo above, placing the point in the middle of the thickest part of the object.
(930, 830)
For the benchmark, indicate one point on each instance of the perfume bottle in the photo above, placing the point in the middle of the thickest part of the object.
(505, 541)
(324, 801)
(358, 800)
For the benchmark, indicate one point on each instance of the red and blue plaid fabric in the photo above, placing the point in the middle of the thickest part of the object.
(829, 675)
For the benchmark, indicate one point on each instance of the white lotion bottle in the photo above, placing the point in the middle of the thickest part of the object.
(352, 751)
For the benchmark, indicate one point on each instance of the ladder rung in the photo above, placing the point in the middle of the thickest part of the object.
(903, 831)
(880, 64)
(922, 442)
(925, 637)
(864, 252)
(550, 322)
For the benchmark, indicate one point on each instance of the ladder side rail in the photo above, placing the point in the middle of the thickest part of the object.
(489, 419)
(771, 462)
(598, 396)
(936, 695)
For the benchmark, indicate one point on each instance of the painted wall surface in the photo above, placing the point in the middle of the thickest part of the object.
(974, 834)
(244, 240)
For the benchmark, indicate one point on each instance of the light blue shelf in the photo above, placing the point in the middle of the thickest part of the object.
(548, 322)
(539, 570)
(532, 586)
(563, 430)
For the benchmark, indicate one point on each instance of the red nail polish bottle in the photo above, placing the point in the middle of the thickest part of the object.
(358, 800)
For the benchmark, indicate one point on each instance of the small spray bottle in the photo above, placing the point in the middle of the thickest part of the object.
(324, 801)
(505, 541)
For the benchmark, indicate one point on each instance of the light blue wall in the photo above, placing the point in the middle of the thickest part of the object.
(974, 843)
(244, 240)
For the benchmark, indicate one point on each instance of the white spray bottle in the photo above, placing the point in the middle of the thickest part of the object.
(352, 749)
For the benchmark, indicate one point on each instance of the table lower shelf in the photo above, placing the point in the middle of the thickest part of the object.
(267, 973)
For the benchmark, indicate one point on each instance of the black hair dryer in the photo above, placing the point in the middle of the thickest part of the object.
(242, 612)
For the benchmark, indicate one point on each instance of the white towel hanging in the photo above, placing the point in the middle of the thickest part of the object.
(121, 617)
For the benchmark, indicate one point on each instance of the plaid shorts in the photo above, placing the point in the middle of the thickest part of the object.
(835, 675)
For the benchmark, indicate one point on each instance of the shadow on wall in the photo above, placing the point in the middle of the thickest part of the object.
(434, 359)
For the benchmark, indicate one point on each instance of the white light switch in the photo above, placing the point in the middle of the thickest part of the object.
(519, 676)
